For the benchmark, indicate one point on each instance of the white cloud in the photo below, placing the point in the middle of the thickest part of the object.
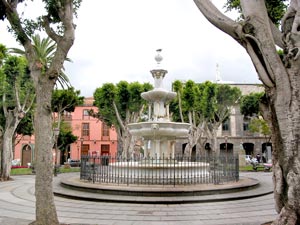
(116, 40)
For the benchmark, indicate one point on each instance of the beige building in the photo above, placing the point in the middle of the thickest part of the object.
(234, 135)
(236, 131)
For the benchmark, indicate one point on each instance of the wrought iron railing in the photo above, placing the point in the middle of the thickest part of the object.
(163, 170)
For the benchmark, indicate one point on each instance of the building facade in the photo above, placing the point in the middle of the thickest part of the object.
(94, 137)
(234, 135)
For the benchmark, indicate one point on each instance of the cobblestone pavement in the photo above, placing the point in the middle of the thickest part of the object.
(17, 207)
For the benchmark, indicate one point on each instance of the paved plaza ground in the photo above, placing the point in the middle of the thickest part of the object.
(17, 207)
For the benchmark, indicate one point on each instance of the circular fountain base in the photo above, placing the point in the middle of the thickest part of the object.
(72, 187)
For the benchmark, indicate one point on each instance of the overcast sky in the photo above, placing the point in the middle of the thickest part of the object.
(117, 40)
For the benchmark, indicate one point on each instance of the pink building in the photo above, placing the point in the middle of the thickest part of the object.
(94, 137)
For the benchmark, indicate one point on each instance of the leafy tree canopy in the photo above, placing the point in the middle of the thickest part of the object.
(3, 53)
(66, 100)
(65, 136)
(276, 8)
(53, 9)
(259, 125)
(126, 97)
(15, 75)
(25, 126)
(103, 98)
(250, 104)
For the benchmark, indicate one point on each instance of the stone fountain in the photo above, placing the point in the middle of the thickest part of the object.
(159, 165)
(159, 132)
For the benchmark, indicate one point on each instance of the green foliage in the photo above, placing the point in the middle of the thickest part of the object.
(28, 171)
(25, 127)
(210, 101)
(127, 98)
(3, 53)
(45, 49)
(66, 100)
(65, 138)
(15, 75)
(122, 97)
(3, 9)
(53, 7)
(177, 86)
(135, 101)
(69, 170)
(207, 99)
(21, 171)
(259, 125)
(103, 98)
(250, 104)
(189, 95)
(233, 5)
(30, 26)
(275, 8)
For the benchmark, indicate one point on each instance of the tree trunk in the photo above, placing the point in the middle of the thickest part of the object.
(126, 143)
(193, 138)
(44, 140)
(1, 149)
(286, 154)
(281, 77)
(11, 123)
(7, 156)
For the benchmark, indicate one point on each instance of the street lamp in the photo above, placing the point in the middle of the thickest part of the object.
(56, 133)
(81, 141)
(226, 137)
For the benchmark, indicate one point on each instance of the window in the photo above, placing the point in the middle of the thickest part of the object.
(104, 149)
(225, 126)
(85, 129)
(85, 114)
(245, 126)
(67, 115)
(105, 130)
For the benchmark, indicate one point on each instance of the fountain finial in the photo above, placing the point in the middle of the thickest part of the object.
(158, 58)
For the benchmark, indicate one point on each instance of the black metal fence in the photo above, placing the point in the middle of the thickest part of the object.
(173, 171)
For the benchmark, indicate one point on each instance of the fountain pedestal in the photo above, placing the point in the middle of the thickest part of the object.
(159, 133)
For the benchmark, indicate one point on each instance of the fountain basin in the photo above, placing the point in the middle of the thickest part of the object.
(159, 129)
(158, 94)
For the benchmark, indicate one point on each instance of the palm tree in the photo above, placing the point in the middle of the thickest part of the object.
(45, 49)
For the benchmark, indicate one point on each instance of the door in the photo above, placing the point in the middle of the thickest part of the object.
(26, 155)
(85, 149)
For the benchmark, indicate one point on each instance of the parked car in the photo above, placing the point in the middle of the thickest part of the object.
(74, 163)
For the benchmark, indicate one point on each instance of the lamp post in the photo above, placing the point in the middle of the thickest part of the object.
(81, 145)
(226, 137)
(56, 133)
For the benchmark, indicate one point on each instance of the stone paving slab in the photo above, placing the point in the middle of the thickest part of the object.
(17, 203)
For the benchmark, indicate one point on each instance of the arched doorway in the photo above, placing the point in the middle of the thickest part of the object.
(249, 148)
(193, 153)
(208, 150)
(266, 152)
(183, 147)
(226, 148)
(26, 154)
